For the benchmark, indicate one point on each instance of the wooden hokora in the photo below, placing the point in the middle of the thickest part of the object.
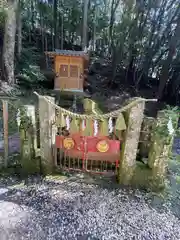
(70, 68)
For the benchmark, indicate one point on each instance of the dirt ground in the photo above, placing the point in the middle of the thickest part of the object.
(70, 208)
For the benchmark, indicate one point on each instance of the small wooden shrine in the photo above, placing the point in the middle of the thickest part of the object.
(70, 68)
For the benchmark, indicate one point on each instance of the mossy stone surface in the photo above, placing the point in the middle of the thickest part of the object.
(129, 148)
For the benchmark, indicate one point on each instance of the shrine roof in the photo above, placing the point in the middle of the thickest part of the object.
(66, 53)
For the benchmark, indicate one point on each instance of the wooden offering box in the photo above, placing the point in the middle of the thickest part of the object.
(69, 67)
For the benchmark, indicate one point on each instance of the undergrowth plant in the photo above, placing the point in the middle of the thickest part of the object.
(2, 15)
(169, 120)
(27, 69)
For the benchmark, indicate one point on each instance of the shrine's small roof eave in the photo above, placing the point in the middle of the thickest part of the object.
(58, 52)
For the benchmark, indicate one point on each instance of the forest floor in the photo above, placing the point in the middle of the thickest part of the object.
(81, 207)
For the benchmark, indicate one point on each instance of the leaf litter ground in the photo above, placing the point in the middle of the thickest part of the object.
(66, 209)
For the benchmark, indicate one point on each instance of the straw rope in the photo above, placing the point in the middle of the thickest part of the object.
(96, 116)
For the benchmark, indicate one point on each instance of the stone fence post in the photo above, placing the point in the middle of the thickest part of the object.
(26, 123)
(47, 136)
(161, 148)
(129, 148)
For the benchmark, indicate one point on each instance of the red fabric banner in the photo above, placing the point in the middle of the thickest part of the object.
(88, 144)
(103, 145)
(73, 142)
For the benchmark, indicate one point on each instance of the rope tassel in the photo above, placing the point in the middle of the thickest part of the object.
(74, 126)
(104, 128)
(88, 131)
(60, 120)
(120, 123)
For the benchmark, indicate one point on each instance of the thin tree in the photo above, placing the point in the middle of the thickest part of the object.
(84, 40)
(9, 41)
(168, 62)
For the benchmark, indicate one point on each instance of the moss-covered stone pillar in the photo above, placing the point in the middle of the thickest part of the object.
(161, 147)
(31, 113)
(46, 118)
(129, 148)
(26, 129)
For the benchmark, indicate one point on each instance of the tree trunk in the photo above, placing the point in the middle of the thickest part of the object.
(55, 20)
(19, 31)
(94, 29)
(114, 5)
(46, 49)
(84, 42)
(52, 39)
(32, 15)
(42, 31)
(62, 31)
(9, 42)
(111, 26)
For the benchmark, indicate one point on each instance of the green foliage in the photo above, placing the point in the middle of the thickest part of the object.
(32, 74)
(2, 16)
(12, 124)
(171, 112)
(175, 163)
(28, 70)
(162, 128)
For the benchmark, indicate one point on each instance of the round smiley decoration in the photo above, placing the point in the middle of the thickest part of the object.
(68, 143)
(102, 146)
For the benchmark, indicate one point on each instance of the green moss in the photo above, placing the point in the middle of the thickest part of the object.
(145, 136)
(47, 168)
(125, 172)
(141, 176)
(18, 185)
(160, 149)
(3, 15)
(30, 166)
(6, 172)
(55, 176)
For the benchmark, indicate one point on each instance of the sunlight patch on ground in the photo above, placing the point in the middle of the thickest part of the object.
(3, 190)
(11, 215)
